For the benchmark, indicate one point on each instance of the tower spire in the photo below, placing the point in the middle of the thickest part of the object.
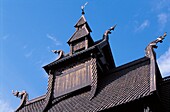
(82, 8)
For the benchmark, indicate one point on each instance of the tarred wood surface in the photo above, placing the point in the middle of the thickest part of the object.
(73, 79)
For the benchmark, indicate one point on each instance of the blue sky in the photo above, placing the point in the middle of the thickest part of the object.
(30, 29)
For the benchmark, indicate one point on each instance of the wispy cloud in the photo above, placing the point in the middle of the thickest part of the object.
(161, 8)
(53, 39)
(29, 54)
(5, 107)
(25, 46)
(162, 20)
(5, 37)
(142, 26)
(164, 63)
(161, 4)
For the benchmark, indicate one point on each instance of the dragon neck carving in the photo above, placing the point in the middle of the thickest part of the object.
(60, 53)
(150, 53)
(149, 49)
(107, 32)
(23, 95)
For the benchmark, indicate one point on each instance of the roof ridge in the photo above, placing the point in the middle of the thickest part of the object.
(132, 63)
(35, 99)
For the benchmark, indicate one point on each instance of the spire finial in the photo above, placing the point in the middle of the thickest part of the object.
(82, 8)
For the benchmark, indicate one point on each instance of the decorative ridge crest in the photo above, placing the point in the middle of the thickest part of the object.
(107, 32)
(152, 55)
(23, 95)
(153, 44)
(49, 95)
(60, 53)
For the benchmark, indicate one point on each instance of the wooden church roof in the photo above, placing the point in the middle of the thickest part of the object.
(122, 85)
(81, 30)
(109, 88)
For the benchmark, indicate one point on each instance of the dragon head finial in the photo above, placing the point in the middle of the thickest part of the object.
(154, 43)
(107, 32)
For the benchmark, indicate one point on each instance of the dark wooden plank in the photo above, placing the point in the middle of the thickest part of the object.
(73, 79)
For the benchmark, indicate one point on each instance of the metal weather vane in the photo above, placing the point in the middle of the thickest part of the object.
(82, 8)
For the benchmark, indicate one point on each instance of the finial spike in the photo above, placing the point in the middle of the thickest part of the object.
(82, 8)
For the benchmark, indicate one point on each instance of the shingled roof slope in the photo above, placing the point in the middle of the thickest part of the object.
(164, 91)
(34, 105)
(81, 21)
(78, 34)
(82, 30)
(120, 86)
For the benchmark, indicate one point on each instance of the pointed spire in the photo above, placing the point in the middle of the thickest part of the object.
(82, 27)
(82, 8)
(81, 38)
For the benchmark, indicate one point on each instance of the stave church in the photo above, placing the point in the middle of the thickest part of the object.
(87, 80)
